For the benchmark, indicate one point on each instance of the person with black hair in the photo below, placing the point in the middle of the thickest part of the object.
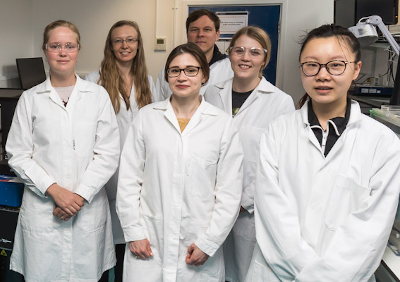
(328, 180)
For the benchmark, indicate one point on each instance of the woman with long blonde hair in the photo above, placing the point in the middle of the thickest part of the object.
(123, 74)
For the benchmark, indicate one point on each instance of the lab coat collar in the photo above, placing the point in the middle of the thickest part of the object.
(355, 113)
(203, 109)
(81, 86)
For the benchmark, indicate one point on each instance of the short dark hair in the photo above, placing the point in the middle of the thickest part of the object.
(196, 52)
(196, 14)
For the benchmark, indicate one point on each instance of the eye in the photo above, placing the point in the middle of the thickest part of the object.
(130, 40)
(311, 65)
(70, 46)
(53, 46)
(238, 50)
(335, 64)
(191, 70)
(194, 30)
(118, 41)
(255, 52)
(174, 71)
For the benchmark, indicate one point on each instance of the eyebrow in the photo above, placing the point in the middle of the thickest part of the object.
(330, 59)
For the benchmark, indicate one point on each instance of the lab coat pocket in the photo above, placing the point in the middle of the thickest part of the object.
(201, 177)
(84, 138)
(346, 197)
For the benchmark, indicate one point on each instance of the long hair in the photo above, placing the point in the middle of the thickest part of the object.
(331, 30)
(258, 35)
(112, 80)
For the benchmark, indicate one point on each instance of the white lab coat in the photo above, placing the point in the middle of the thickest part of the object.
(176, 189)
(219, 72)
(124, 118)
(76, 146)
(264, 104)
(324, 218)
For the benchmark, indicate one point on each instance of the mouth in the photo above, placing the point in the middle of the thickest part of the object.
(182, 86)
(62, 61)
(245, 67)
(323, 89)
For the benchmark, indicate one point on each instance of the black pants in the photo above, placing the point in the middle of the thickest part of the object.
(118, 268)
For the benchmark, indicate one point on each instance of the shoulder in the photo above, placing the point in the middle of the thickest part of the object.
(93, 76)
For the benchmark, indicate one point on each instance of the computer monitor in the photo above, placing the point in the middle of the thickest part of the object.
(386, 9)
(31, 72)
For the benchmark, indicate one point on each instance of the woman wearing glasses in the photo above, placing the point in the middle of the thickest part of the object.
(63, 143)
(254, 103)
(328, 183)
(180, 180)
(123, 74)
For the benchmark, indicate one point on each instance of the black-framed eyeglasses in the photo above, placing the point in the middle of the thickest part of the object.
(57, 47)
(188, 71)
(129, 41)
(335, 67)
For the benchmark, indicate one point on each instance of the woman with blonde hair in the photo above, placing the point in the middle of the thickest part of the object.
(123, 74)
(63, 143)
(254, 103)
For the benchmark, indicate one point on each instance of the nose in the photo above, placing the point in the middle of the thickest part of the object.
(181, 75)
(323, 73)
(246, 56)
(62, 51)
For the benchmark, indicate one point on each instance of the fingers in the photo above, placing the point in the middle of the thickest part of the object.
(141, 249)
(61, 214)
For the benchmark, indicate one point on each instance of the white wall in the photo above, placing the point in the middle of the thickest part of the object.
(16, 37)
(155, 17)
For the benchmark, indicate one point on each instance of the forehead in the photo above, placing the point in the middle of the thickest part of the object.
(62, 33)
(125, 30)
(184, 60)
(202, 22)
(327, 49)
(247, 41)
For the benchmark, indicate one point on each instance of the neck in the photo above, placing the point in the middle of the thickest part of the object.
(124, 68)
(325, 112)
(209, 54)
(242, 85)
(185, 107)
(58, 80)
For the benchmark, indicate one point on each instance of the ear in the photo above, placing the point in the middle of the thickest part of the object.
(218, 34)
(357, 69)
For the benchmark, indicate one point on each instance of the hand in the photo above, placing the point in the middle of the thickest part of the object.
(61, 214)
(141, 248)
(67, 201)
(196, 256)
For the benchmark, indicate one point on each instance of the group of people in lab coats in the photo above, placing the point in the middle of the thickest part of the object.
(209, 175)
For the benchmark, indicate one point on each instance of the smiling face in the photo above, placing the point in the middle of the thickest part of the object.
(62, 63)
(202, 32)
(325, 88)
(183, 85)
(246, 66)
(125, 52)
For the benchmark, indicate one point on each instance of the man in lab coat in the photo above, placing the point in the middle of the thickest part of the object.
(202, 28)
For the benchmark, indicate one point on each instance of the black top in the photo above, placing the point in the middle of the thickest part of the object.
(335, 128)
(217, 56)
(238, 99)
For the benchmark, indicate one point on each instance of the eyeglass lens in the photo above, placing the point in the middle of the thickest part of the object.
(56, 47)
(189, 71)
(332, 67)
(253, 51)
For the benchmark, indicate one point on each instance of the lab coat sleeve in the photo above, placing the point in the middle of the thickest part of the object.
(153, 90)
(286, 106)
(106, 151)
(359, 242)
(130, 182)
(19, 149)
(277, 223)
(162, 88)
(228, 190)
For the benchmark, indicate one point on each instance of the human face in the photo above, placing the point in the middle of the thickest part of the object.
(184, 86)
(202, 32)
(324, 88)
(124, 53)
(62, 63)
(247, 66)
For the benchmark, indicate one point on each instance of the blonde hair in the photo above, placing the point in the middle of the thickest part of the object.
(260, 36)
(113, 82)
(60, 23)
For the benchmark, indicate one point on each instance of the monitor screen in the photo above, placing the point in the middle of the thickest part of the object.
(31, 71)
(386, 9)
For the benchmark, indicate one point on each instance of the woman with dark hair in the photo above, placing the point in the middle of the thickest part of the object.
(123, 74)
(328, 181)
(254, 103)
(180, 180)
(64, 144)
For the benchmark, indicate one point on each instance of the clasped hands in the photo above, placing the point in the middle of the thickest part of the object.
(68, 204)
(141, 249)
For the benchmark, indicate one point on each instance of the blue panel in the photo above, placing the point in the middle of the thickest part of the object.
(265, 17)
